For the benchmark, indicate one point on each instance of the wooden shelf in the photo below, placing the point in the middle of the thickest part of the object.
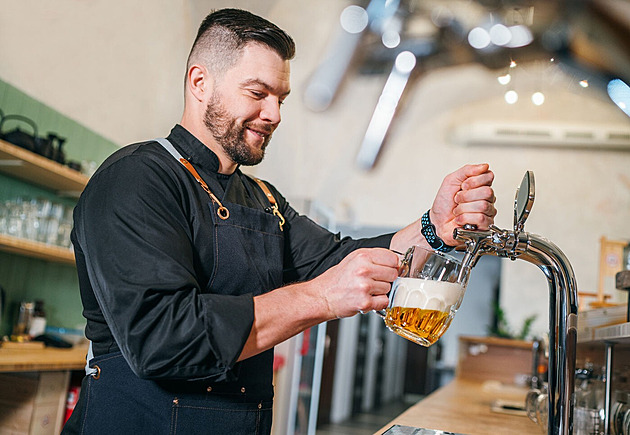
(31, 248)
(33, 168)
(15, 360)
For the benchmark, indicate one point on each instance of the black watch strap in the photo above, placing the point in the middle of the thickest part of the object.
(429, 233)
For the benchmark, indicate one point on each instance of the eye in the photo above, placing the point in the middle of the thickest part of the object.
(256, 94)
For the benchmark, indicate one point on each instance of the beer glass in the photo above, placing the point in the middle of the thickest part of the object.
(426, 295)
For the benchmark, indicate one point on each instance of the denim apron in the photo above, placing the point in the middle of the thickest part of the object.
(248, 252)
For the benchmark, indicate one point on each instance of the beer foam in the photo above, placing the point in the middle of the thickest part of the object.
(425, 294)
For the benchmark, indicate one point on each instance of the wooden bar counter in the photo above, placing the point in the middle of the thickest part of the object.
(42, 359)
(488, 370)
(463, 406)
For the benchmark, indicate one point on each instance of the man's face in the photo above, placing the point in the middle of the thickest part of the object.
(244, 108)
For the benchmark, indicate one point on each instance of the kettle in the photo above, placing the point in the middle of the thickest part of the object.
(45, 147)
(19, 137)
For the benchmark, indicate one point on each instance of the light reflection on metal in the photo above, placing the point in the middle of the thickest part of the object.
(385, 110)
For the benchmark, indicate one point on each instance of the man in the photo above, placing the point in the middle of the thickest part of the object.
(190, 271)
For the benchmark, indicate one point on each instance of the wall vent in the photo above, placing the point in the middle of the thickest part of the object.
(597, 136)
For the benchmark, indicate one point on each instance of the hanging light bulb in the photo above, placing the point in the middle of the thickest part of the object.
(511, 97)
(538, 98)
(479, 38)
(504, 79)
(512, 64)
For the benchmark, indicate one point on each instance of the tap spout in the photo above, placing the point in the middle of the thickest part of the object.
(562, 307)
(562, 329)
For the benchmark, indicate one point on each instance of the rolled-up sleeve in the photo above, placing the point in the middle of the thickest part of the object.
(137, 249)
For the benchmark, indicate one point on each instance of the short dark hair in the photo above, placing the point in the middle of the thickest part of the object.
(224, 32)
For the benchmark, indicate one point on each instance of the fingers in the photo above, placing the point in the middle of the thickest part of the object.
(468, 171)
(483, 193)
(374, 266)
(381, 256)
(475, 181)
(378, 302)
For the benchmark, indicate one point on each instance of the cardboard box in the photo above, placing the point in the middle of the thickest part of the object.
(33, 403)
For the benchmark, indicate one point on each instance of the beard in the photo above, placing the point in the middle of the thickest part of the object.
(230, 136)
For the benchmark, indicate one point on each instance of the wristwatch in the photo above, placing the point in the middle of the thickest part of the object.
(429, 233)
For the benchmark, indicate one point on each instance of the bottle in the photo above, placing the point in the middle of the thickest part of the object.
(38, 321)
(25, 315)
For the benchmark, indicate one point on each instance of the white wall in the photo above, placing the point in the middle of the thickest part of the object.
(117, 67)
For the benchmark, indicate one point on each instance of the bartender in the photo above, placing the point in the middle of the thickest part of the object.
(191, 271)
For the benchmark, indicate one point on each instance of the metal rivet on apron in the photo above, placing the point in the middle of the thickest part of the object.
(98, 372)
(259, 405)
(209, 389)
(176, 401)
(242, 389)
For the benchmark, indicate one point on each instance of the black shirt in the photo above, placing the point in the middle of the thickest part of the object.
(143, 242)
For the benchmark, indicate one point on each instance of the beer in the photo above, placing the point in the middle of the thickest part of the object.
(423, 325)
(421, 310)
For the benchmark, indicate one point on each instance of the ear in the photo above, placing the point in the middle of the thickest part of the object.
(199, 82)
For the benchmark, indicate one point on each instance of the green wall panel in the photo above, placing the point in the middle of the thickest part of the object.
(29, 279)
(81, 143)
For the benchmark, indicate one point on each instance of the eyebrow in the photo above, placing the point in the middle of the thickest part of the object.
(268, 87)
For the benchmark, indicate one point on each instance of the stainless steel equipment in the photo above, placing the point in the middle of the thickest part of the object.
(518, 244)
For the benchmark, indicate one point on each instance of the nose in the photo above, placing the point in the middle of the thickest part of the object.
(270, 111)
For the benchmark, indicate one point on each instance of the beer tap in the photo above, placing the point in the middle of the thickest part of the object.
(518, 244)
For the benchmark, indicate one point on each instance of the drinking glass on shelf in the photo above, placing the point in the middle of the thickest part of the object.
(65, 227)
(4, 217)
(54, 220)
(42, 212)
(15, 218)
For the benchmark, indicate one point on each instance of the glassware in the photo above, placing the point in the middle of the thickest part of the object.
(589, 412)
(425, 296)
(618, 410)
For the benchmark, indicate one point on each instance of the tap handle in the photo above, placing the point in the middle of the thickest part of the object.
(524, 201)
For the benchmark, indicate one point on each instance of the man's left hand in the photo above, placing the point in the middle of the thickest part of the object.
(465, 197)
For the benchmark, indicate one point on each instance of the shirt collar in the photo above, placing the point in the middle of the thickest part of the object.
(193, 150)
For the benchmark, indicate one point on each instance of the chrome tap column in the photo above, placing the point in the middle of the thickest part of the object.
(517, 244)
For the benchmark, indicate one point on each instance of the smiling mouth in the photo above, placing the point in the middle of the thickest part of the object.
(263, 134)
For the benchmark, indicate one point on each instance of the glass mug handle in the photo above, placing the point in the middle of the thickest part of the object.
(403, 270)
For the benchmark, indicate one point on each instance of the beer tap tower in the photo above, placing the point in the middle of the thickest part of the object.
(563, 305)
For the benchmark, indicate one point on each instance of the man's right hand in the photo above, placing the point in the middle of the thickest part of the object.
(360, 282)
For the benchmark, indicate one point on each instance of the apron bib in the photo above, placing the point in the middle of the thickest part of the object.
(248, 251)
